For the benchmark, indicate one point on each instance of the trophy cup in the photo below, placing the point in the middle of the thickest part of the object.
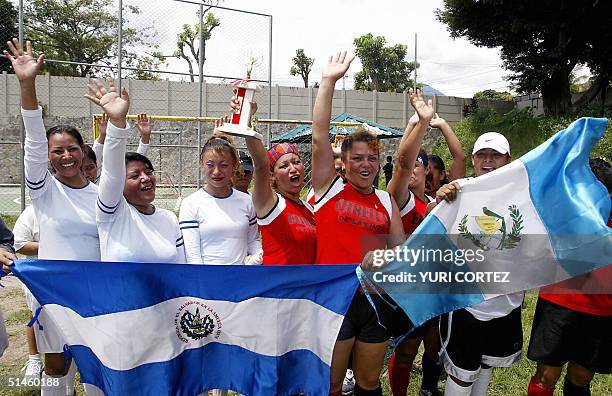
(245, 89)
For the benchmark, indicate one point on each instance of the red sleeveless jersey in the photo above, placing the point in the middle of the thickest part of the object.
(413, 213)
(288, 234)
(349, 223)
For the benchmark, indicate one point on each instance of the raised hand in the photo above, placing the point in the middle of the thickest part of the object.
(114, 105)
(25, 65)
(144, 124)
(424, 109)
(220, 122)
(414, 119)
(337, 66)
(437, 122)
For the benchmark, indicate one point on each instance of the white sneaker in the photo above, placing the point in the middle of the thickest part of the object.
(348, 385)
(33, 369)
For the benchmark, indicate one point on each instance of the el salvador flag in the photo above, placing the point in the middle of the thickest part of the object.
(537, 221)
(170, 329)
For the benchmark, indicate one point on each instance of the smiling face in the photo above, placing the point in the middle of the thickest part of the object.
(288, 174)
(361, 164)
(487, 160)
(140, 182)
(417, 179)
(90, 169)
(65, 155)
(219, 167)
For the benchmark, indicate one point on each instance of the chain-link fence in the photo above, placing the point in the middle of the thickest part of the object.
(176, 58)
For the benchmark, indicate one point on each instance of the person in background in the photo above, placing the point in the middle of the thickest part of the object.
(437, 175)
(388, 169)
(26, 231)
(7, 255)
(90, 164)
(241, 180)
(574, 326)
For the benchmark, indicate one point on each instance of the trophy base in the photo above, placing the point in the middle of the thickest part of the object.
(237, 130)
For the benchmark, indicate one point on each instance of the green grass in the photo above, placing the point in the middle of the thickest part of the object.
(21, 316)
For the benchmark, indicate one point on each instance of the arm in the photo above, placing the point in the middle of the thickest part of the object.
(144, 126)
(447, 192)
(254, 249)
(7, 253)
(112, 179)
(323, 171)
(457, 169)
(26, 68)
(98, 146)
(396, 232)
(25, 231)
(190, 228)
(409, 148)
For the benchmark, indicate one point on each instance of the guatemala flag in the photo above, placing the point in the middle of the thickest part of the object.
(537, 221)
(173, 329)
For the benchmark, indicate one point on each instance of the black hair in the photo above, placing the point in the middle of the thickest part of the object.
(135, 157)
(389, 158)
(437, 162)
(89, 153)
(72, 131)
(603, 172)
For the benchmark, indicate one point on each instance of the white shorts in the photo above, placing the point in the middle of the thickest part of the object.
(49, 339)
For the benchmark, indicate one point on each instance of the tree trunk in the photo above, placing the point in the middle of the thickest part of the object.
(556, 93)
(305, 81)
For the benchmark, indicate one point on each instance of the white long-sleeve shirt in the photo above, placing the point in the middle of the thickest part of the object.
(126, 234)
(220, 231)
(98, 149)
(66, 215)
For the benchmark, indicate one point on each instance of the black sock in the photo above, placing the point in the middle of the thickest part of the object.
(362, 392)
(431, 373)
(570, 389)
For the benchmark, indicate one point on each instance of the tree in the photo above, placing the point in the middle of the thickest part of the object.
(302, 65)
(189, 39)
(540, 41)
(8, 16)
(152, 61)
(82, 31)
(384, 68)
(492, 94)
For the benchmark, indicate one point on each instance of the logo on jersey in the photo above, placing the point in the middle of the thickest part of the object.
(195, 320)
(491, 230)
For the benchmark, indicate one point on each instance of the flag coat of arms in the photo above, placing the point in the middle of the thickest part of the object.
(173, 329)
(539, 220)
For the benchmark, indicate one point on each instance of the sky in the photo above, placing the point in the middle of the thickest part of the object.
(321, 28)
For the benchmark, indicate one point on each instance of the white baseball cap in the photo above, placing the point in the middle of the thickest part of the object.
(492, 140)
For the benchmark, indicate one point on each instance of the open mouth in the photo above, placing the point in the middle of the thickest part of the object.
(295, 178)
(487, 169)
(147, 188)
(365, 173)
(68, 165)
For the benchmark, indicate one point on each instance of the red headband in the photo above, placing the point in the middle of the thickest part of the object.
(280, 149)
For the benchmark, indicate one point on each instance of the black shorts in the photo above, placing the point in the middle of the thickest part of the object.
(402, 325)
(361, 321)
(468, 343)
(560, 335)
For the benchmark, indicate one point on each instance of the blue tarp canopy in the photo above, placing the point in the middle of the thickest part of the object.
(304, 132)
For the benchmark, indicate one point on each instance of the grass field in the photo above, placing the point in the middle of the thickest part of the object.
(512, 381)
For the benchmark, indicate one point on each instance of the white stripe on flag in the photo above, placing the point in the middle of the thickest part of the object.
(124, 340)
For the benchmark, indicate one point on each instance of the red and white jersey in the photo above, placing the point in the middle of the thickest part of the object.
(288, 233)
(310, 197)
(349, 223)
(413, 212)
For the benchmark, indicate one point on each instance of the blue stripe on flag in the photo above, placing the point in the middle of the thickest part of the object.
(573, 205)
(224, 367)
(101, 288)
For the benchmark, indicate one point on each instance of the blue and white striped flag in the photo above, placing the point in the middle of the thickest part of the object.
(169, 329)
(537, 221)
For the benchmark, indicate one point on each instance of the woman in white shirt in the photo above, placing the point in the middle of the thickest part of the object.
(219, 222)
(131, 228)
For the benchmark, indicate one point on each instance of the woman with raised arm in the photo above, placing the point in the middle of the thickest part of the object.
(131, 228)
(286, 222)
(408, 188)
(353, 218)
(62, 202)
(438, 176)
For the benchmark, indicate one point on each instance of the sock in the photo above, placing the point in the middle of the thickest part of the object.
(399, 377)
(362, 392)
(431, 373)
(454, 389)
(52, 386)
(480, 386)
(536, 389)
(570, 389)
(34, 357)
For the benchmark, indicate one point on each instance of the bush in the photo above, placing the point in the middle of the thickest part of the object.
(523, 130)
